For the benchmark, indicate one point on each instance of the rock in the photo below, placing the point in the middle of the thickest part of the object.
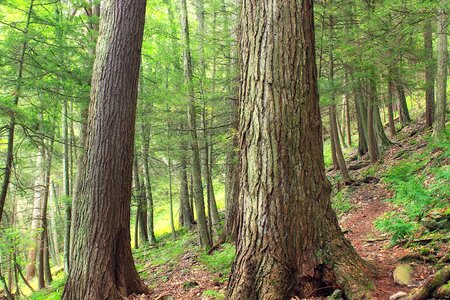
(337, 295)
(402, 274)
(398, 296)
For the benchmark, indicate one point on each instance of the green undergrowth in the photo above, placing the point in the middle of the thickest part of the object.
(420, 182)
(341, 202)
(219, 261)
(53, 292)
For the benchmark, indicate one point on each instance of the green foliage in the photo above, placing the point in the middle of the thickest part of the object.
(211, 294)
(420, 185)
(54, 292)
(220, 261)
(341, 203)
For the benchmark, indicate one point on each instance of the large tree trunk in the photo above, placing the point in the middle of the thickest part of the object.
(101, 264)
(204, 237)
(441, 78)
(429, 72)
(289, 241)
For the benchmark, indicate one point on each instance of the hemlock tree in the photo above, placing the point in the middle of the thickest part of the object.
(101, 265)
(289, 240)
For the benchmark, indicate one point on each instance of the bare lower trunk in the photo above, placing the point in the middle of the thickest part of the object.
(289, 242)
(101, 264)
(442, 61)
(429, 72)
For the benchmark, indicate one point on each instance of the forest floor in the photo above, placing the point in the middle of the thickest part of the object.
(192, 275)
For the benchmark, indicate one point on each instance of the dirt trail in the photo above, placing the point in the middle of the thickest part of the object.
(372, 245)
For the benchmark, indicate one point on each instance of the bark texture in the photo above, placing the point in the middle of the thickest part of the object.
(289, 241)
(429, 72)
(442, 72)
(101, 265)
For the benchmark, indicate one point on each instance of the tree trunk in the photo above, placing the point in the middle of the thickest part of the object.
(9, 161)
(361, 118)
(339, 154)
(101, 264)
(371, 137)
(390, 110)
(289, 241)
(442, 61)
(36, 221)
(44, 275)
(429, 72)
(404, 113)
(148, 186)
(186, 216)
(53, 221)
(205, 240)
(66, 186)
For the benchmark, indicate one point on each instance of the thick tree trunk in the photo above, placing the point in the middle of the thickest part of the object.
(205, 240)
(289, 241)
(442, 61)
(429, 72)
(101, 264)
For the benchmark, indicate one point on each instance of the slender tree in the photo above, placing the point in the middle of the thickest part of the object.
(205, 238)
(442, 62)
(101, 265)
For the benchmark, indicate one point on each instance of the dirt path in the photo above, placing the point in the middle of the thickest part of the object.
(368, 204)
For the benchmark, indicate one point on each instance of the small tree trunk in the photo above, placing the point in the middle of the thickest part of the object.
(186, 216)
(36, 221)
(339, 154)
(361, 118)
(12, 123)
(404, 113)
(429, 72)
(205, 240)
(442, 61)
(390, 110)
(148, 186)
(371, 140)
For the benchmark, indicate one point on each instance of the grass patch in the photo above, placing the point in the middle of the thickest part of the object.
(421, 185)
(220, 261)
(53, 292)
(341, 203)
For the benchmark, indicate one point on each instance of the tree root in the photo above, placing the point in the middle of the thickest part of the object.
(434, 284)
